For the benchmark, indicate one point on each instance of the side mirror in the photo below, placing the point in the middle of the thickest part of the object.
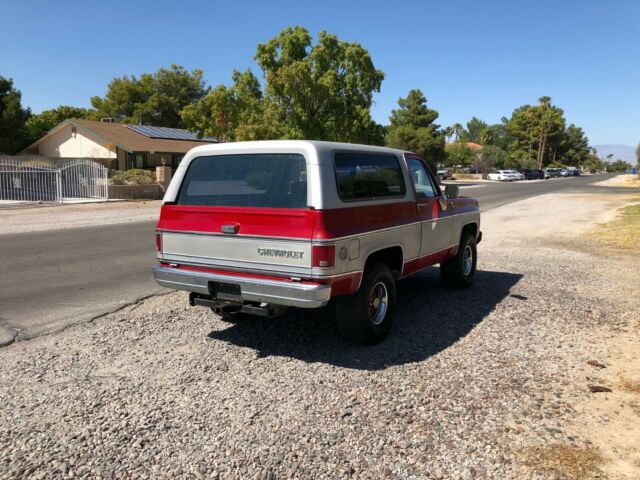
(452, 191)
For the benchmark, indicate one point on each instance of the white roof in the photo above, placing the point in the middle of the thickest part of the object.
(320, 148)
(317, 153)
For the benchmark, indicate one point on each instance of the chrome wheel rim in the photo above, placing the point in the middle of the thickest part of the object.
(467, 260)
(378, 303)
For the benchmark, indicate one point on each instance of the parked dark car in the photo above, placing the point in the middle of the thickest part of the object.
(531, 174)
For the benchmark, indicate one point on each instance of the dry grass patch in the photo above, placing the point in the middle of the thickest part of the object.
(623, 180)
(565, 461)
(629, 384)
(630, 181)
(622, 232)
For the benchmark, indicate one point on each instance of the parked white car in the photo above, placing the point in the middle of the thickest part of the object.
(517, 174)
(503, 176)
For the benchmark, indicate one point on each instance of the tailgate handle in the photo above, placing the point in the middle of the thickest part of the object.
(229, 228)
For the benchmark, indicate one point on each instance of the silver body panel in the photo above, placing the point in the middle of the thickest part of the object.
(239, 252)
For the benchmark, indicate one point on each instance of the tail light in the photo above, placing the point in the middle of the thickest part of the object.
(158, 242)
(323, 256)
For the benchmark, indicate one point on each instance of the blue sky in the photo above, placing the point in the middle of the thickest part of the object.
(468, 57)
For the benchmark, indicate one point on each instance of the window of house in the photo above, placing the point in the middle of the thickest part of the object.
(367, 176)
(141, 160)
(137, 160)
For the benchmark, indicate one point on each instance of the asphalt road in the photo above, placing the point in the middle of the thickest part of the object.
(495, 194)
(57, 278)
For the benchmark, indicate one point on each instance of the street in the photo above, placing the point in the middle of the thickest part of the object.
(57, 278)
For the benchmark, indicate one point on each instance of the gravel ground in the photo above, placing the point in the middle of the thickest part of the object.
(466, 382)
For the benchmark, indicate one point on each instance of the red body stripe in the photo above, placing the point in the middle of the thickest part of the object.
(269, 222)
(341, 222)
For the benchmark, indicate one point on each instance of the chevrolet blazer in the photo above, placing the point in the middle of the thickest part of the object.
(252, 227)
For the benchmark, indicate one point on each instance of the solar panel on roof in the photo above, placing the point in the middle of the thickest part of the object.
(169, 133)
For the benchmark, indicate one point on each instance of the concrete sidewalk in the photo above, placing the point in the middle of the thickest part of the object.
(37, 218)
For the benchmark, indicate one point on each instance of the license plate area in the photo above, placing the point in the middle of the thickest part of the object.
(225, 291)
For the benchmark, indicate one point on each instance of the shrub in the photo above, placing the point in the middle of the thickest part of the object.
(134, 176)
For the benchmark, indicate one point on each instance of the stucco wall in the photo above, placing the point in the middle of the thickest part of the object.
(64, 143)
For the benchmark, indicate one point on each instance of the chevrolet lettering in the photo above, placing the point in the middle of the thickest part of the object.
(270, 252)
(256, 227)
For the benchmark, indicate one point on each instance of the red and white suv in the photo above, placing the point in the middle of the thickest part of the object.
(254, 226)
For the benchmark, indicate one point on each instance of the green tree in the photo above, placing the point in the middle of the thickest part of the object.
(474, 130)
(496, 135)
(41, 123)
(229, 113)
(12, 117)
(593, 162)
(573, 147)
(491, 156)
(412, 127)
(457, 130)
(320, 91)
(156, 99)
(459, 154)
(618, 166)
(536, 132)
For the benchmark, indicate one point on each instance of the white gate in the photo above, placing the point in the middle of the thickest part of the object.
(83, 179)
(24, 179)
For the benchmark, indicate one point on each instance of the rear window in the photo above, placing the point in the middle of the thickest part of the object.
(362, 176)
(252, 180)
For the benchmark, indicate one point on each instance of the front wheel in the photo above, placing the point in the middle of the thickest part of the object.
(366, 316)
(458, 272)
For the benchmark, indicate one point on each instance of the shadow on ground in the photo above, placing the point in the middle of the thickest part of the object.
(429, 319)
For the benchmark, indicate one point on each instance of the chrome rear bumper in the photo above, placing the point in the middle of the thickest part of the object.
(276, 292)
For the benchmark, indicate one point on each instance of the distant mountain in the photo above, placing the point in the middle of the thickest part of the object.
(622, 152)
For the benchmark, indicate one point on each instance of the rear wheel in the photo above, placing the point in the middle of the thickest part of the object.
(459, 271)
(366, 316)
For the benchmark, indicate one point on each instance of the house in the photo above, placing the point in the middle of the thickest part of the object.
(117, 145)
(473, 145)
(470, 145)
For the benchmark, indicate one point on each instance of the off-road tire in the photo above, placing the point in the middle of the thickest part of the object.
(456, 272)
(354, 312)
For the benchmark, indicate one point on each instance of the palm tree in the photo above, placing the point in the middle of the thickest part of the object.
(457, 130)
(448, 133)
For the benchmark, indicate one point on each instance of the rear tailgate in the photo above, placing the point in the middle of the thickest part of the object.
(241, 211)
(271, 240)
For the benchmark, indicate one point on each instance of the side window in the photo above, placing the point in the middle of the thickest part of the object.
(366, 176)
(421, 179)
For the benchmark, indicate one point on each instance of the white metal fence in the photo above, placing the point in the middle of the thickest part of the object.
(34, 179)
